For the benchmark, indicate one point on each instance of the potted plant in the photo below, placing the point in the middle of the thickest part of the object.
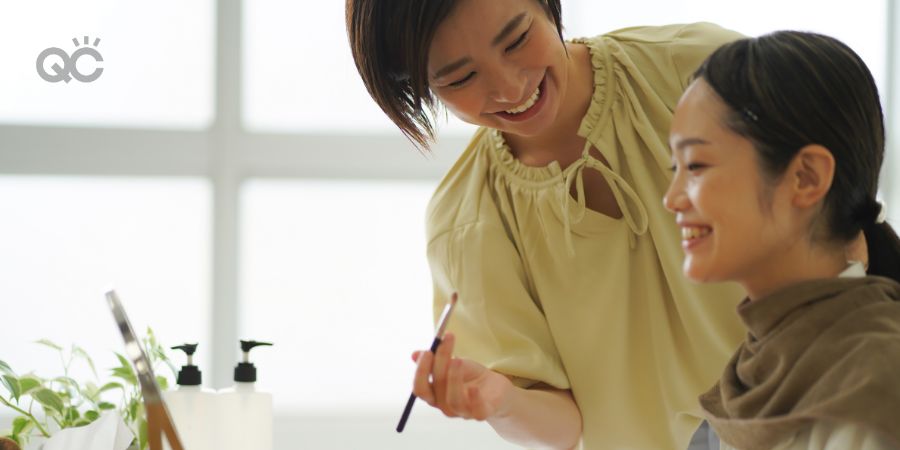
(45, 405)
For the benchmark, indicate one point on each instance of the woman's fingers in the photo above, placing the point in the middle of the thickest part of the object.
(442, 359)
(430, 382)
(456, 395)
(446, 383)
(453, 385)
(421, 385)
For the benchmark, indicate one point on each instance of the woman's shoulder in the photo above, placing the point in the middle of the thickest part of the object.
(863, 340)
(870, 298)
(667, 34)
(849, 310)
(666, 55)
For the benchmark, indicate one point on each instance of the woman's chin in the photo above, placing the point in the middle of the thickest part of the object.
(698, 273)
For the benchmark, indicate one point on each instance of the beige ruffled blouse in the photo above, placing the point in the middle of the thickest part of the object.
(553, 292)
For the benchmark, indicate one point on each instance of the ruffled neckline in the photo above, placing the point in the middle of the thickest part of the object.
(502, 154)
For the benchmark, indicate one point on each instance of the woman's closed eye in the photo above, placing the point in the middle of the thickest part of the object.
(690, 167)
(461, 81)
(518, 42)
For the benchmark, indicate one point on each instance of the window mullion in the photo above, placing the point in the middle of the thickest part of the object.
(225, 174)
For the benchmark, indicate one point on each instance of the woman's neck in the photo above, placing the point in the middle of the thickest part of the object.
(798, 263)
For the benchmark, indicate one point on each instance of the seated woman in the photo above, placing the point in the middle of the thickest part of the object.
(777, 147)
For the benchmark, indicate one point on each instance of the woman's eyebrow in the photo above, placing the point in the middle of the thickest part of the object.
(680, 144)
(508, 28)
(449, 68)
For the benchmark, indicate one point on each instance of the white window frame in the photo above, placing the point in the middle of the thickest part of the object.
(225, 154)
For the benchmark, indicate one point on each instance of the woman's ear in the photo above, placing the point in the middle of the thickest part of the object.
(812, 172)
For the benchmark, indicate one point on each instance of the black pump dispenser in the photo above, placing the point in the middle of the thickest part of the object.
(189, 375)
(245, 372)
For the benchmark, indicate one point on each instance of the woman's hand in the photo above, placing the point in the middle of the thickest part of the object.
(460, 387)
(541, 417)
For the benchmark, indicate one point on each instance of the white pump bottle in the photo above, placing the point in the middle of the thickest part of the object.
(245, 414)
(192, 407)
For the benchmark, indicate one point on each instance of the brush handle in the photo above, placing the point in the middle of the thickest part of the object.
(412, 397)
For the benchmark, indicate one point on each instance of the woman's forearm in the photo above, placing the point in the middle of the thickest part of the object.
(542, 418)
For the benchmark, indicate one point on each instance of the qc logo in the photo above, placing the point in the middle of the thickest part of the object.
(69, 68)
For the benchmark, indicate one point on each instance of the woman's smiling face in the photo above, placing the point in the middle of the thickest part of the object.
(733, 220)
(499, 64)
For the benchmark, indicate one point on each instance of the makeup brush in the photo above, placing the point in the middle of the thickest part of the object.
(438, 335)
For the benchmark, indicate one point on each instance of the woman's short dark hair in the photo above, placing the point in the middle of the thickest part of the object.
(390, 41)
(790, 89)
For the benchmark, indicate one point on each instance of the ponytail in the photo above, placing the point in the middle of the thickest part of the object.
(884, 250)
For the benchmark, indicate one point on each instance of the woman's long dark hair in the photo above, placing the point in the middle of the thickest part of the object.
(790, 89)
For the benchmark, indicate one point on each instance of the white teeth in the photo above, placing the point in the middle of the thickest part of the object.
(528, 103)
(694, 232)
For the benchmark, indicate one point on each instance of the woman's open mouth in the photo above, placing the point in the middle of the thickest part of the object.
(527, 109)
(691, 236)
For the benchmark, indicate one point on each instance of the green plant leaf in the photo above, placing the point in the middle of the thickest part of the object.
(49, 343)
(123, 361)
(69, 389)
(69, 382)
(125, 371)
(19, 424)
(71, 414)
(64, 395)
(12, 385)
(142, 433)
(49, 399)
(110, 386)
(21, 429)
(162, 382)
(106, 406)
(80, 422)
(90, 391)
(151, 338)
(91, 415)
(133, 408)
(125, 374)
(79, 352)
(29, 383)
(4, 367)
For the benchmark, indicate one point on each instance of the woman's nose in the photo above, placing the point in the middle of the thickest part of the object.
(508, 86)
(675, 199)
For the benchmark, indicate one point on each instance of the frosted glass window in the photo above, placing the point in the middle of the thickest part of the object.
(299, 73)
(335, 274)
(64, 240)
(861, 25)
(157, 62)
